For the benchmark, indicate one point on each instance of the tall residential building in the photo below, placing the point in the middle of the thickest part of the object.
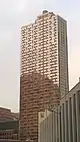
(44, 69)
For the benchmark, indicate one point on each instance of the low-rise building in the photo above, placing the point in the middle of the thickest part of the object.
(7, 115)
(9, 124)
(9, 130)
(45, 126)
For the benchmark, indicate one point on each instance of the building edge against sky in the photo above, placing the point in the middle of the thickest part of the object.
(44, 69)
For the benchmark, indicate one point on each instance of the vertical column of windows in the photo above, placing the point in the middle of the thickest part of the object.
(23, 50)
(35, 46)
(29, 49)
(53, 49)
(40, 45)
(46, 48)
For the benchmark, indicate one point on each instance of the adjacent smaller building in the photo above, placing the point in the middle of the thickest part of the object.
(7, 115)
(9, 125)
(63, 123)
(9, 130)
(45, 126)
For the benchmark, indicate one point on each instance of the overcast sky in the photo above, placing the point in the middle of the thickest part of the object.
(14, 14)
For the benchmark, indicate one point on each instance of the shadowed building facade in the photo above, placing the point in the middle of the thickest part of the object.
(37, 93)
(44, 70)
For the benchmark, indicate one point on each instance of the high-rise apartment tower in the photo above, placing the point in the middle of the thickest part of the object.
(44, 69)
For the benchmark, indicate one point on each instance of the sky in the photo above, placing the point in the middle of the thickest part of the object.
(13, 15)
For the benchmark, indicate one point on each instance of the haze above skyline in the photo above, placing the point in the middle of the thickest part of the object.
(13, 15)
